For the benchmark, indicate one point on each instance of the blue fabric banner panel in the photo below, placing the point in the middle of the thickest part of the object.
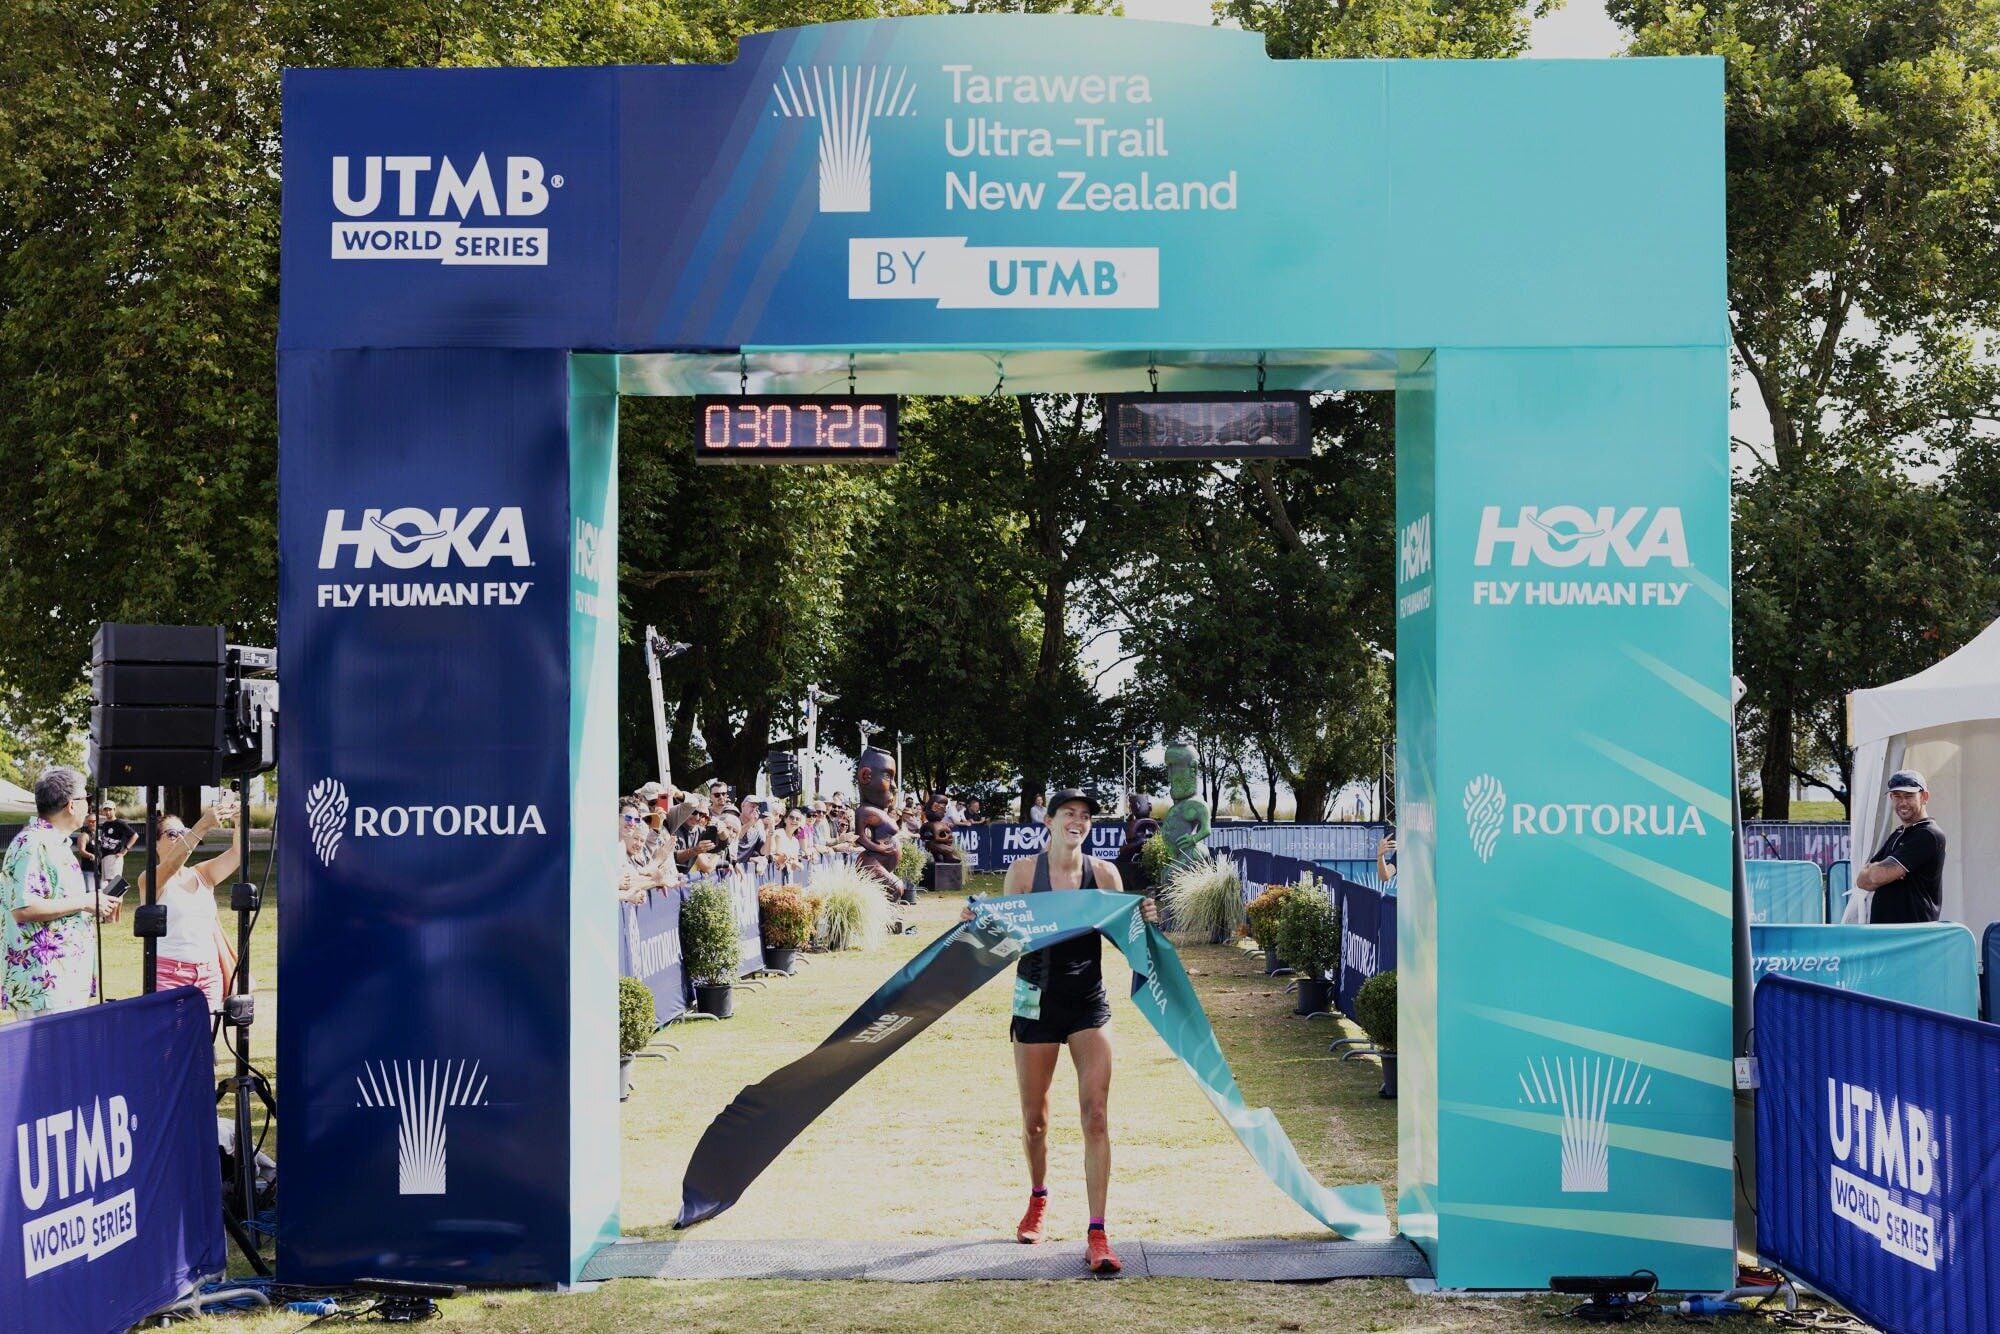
(649, 949)
(1367, 940)
(1877, 1150)
(109, 1204)
(1786, 892)
(742, 888)
(1932, 964)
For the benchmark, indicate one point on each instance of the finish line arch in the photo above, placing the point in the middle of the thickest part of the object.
(477, 263)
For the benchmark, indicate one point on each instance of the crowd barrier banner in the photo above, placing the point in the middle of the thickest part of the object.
(743, 887)
(1820, 842)
(110, 1207)
(1367, 939)
(1789, 893)
(1360, 871)
(1932, 964)
(1877, 1149)
(649, 949)
(1308, 842)
(754, 1129)
(1839, 883)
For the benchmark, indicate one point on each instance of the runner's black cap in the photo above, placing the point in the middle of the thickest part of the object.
(1073, 794)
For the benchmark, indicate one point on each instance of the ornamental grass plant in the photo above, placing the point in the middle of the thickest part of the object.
(1204, 898)
(853, 913)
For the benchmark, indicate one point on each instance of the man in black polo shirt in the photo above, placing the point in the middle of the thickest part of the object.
(1904, 879)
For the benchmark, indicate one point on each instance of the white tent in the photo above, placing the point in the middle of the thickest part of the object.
(1945, 723)
(15, 799)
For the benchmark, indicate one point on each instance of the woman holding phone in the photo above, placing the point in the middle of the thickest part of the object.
(195, 952)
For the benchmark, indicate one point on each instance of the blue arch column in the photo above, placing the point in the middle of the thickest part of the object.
(446, 629)
(1564, 795)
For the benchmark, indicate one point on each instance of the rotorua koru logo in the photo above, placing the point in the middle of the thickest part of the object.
(846, 101)
(415, 206)
(331, 817)
(1489, 816)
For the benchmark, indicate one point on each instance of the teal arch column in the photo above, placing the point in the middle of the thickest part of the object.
(1564, 797)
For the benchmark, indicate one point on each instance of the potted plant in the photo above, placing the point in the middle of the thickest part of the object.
(1203, 898)
(911, 863)
(1154, 855)
(709, 949)
(1262, 915)
(1375, 1008)
(785, 917)
(1308, 932)
(853, 913)
(637, 1021)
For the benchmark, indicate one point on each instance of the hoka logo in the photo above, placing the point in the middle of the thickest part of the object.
(407, 538)
(1566, 535)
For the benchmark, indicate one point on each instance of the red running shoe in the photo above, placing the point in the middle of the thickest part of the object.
(1099, 1255)
(1030, 1230)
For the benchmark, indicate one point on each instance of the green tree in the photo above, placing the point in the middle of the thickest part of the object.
(1848, 575)
(1861, 140)
(1269, 618)
(1387, 29)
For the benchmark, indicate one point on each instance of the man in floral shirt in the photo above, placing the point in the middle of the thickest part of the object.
(47, 919)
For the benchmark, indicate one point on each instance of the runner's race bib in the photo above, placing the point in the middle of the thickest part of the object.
(1027, 999)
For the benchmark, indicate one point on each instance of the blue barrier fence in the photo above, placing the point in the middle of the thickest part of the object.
(1819, 842)
(1786, 892)
(1877, 1149)
(1367, 940)
(1839, 882)
(649, 948)
(995, 847)
(109, 1203)
(1307, 842)
(1932, 964)
(649, 945)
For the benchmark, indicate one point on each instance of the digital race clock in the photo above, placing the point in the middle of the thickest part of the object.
(795, 428)
(1274, 425)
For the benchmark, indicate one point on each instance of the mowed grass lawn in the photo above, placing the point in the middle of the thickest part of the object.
(928, 1148)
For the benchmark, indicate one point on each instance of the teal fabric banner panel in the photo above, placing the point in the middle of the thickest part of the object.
(767, 1116)
(1786, 893)
(1932, 964)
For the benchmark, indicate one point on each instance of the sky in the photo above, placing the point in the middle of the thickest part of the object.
(1580, 29)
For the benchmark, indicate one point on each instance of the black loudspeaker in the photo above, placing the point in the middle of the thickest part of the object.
(786, 781)
(158, 694)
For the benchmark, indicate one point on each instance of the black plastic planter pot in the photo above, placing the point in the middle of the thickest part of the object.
(1388, 1075)
(719, 1001)
(779, 961)
(1273, 965)
(1315, 996)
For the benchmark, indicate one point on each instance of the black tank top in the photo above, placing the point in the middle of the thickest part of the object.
(1068, 969)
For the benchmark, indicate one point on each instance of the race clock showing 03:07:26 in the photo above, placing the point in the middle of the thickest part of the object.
(795, 428)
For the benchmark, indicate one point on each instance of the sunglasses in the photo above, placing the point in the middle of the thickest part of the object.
(173, 833)
(633, 819)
